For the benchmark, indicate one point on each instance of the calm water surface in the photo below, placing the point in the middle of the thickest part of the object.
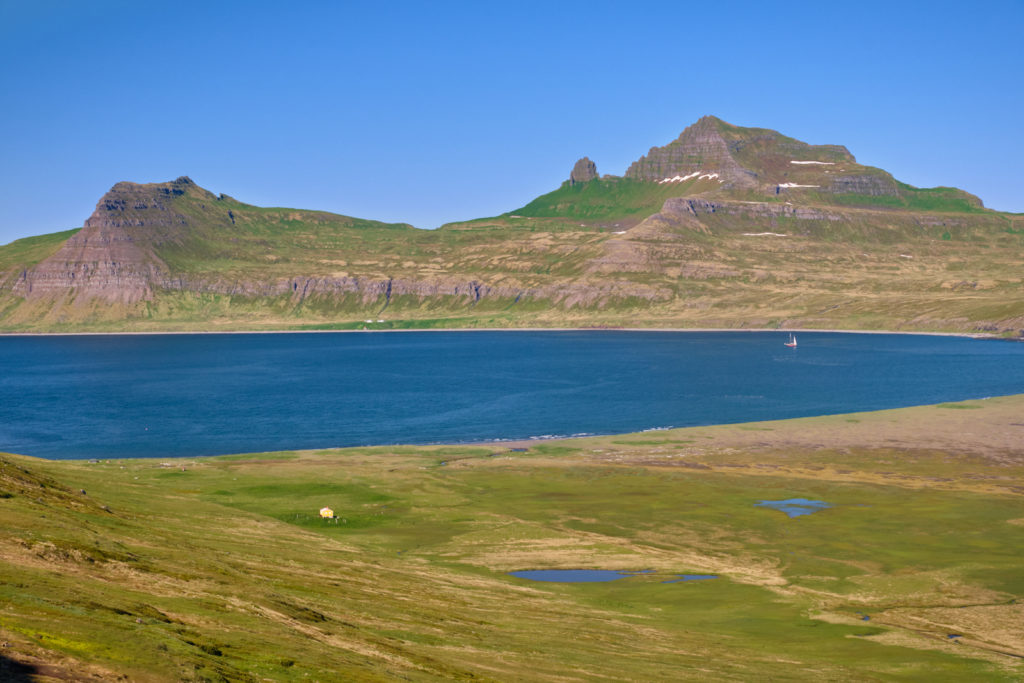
(573, 575)
(794, 507)
(190, 395)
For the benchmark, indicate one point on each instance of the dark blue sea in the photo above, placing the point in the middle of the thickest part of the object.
(191, 395)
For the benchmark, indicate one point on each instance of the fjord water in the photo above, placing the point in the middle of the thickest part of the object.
(190, 395)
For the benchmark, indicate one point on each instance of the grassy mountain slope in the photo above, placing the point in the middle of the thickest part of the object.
(616, 201)
(221, 569)
(770, 232)
(27, 252)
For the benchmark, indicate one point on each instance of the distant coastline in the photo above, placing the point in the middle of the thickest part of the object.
(799, 330)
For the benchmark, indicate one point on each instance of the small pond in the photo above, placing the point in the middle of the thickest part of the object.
(596, 575)
(692, 577)
(794, 507)
(573, 575)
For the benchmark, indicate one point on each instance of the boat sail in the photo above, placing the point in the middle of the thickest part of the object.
(792, 341)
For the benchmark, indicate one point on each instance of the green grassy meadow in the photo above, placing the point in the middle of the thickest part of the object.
(221, 569)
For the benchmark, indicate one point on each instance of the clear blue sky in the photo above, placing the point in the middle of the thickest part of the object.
(427, 112)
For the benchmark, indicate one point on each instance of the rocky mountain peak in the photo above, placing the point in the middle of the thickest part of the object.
(760, 159)
(113, 257)
(129, 204)
(708, 121)
(701, 149)
(584, 170)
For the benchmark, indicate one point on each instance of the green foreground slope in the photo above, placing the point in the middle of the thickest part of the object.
(221, 568)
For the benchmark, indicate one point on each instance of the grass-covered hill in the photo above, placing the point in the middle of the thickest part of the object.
(221, 569)
(723, 227)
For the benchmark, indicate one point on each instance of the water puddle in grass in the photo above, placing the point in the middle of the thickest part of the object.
(573, 575)
(794, 507)
(596, 575)
(692, 577)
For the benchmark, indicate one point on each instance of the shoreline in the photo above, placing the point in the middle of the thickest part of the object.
(801, 330)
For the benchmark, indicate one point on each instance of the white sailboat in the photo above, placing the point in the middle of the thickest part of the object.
(792, 341)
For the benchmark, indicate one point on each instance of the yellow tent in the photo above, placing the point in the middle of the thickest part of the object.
(327, 513)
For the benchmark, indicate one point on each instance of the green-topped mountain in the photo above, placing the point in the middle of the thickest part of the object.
(723, 227)
(715, 159)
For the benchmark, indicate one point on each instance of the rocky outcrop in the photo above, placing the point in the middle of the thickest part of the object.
(584, 170)
(696, 206)
(383, 291)
(872, 185)
(152, 206)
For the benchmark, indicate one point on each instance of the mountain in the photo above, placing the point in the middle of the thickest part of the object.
(725, 226)
(714, 158)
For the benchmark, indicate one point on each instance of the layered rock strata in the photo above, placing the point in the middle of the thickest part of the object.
(98, 262)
